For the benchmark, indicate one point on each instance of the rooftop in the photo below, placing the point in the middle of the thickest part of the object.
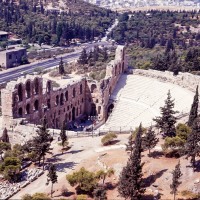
(3, 33)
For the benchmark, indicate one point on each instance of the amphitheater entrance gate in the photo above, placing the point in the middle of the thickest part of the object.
(110, 109)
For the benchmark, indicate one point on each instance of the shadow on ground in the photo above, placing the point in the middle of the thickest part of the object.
(61, 167)
(152, 178)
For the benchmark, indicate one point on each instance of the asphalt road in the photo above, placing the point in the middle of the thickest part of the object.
(14, 73)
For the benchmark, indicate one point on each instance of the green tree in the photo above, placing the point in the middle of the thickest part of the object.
(42, 142)
(176, 175)
(192, 145)
(83, 59)
(166, 122)
(129, 146)
(63, 136)
(4, 147)
(100, 193)
(52, 176)
(61, 67)
(5, 137)
(11, 168)
(150, 140)
(130, 181)
(183, 131)
(194, 108)
(85, 180)
(102, 174)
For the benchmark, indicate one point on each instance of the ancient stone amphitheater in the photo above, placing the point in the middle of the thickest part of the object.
(139, 96)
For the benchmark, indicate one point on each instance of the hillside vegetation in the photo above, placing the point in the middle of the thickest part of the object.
(35, 23)
(161, 40)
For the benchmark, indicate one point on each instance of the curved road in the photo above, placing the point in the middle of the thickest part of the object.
(13, 73)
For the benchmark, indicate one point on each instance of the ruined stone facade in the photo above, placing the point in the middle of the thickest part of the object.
(32, 97)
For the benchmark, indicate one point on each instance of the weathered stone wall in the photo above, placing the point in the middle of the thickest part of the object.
(185, 80)
(32, 97)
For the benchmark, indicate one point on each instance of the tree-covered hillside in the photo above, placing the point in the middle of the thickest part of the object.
(162, 40)
(34, 23)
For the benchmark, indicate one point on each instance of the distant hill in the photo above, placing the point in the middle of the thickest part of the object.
(53, 22)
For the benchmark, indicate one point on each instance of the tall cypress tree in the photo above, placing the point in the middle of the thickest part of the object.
(5, 137)
(194, 108)
(130, 181)
(52, 176)
(63, 136)
(192, 146)
(150, 140)
(176, 175)
(166, 122)
(83, 59)
(42, 142)
(61, 67)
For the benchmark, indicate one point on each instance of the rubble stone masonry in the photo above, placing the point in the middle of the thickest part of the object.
(32, 97)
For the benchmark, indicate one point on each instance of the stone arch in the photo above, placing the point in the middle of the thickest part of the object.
(20, 92)
(81, 89)
(28, 89)
(110, 90)
(93, 110)
(36, 105)
(77, 111)
(74, 92)
(110, 109)
(73, 113)
(20, 112)
(115, 70)
(57, 99)
(69, 116)
(48, 86)
(66, 117)
(61, 99)
(66, 96)
(93, 87)
(36, 86)
(99, 109)
(28, 110)
(48, 103)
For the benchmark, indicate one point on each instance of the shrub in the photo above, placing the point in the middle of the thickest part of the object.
(182, 131)
(81, 197)
(108, 138)
(36, 196)
(85, 180)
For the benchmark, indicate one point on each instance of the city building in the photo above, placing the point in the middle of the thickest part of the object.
(3, 36)
(12, 57)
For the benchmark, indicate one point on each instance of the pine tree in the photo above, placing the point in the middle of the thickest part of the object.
(83, 59)
(166, 122)
(100, 193)
(42, 142)
(129, 146)
(194, 108)
(5, 137)
(52, 176)
(150, 140)
(176, 175)
(130, 181)
(63, 136)
(61, 67)
(192, 146)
